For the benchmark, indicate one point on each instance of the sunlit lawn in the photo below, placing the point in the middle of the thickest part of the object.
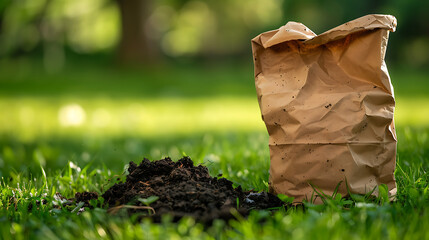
(108, 117)
(30, 117)
(152, 103)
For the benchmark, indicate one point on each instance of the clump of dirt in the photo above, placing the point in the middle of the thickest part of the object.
(183, 189)
(85, 197)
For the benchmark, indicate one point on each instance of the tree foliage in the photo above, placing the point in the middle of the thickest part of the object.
(190, 28)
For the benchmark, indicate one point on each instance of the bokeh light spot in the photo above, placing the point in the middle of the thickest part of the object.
(71, 115)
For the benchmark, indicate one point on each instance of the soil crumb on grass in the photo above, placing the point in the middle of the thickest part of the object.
(183, 189)
(85, 197)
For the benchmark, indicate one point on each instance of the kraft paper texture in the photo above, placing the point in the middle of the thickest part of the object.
(327, 102)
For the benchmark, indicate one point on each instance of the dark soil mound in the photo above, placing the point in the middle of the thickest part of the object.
(184, 190)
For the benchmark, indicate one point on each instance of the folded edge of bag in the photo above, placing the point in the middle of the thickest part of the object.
(298, 31)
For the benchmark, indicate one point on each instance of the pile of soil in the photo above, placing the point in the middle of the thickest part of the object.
(183, 190)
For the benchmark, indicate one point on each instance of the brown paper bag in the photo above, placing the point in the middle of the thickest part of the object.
(327, 102)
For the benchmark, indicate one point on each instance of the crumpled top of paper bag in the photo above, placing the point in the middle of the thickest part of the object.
(298, 31)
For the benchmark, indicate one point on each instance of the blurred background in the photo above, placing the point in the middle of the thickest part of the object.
(110, 81)
(148, 31)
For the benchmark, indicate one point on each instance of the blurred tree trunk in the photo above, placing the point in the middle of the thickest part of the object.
(135, 46)
(3, 6)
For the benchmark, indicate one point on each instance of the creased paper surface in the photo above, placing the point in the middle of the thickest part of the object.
(327, 102)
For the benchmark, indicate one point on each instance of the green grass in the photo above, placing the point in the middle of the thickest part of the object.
(242, 158)
(209, 114)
